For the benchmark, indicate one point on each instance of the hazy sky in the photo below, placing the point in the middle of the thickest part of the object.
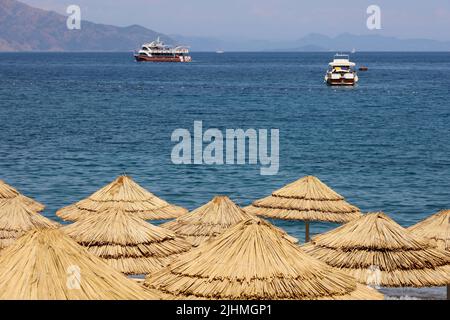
(265, 19)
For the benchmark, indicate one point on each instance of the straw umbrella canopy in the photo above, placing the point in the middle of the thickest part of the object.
(208, 221)
(16, 218)
(436, 229)
(123, 191)
(7, 192)
(376, 250)
(253, 260)
(127, 243)
(307, 199)
(45, 264)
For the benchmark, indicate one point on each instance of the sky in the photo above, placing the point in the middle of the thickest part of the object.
(266, 19)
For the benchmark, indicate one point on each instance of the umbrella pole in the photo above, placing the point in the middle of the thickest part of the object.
(306, 231)
(448, 291)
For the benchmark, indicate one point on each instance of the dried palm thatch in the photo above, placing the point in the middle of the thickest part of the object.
(207, 221)
(127, 243)
(127, 193)
(252, 260)
(16, 218)
(376, 250)
(307, 199)
(7, 193)
(435, 228)
(43, 265)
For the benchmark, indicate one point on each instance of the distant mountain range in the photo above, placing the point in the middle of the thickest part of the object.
(317, 42)
(347, 42)
(24, 28)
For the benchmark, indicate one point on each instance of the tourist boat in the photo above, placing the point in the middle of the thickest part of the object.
(157, 51)
(341, 71)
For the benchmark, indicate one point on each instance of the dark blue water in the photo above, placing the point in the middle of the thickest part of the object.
(70, 123)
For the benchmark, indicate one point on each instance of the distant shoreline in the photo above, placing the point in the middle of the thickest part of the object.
(259, 51)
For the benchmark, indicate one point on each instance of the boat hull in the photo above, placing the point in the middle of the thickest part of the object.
(144, 58)
(341, 82)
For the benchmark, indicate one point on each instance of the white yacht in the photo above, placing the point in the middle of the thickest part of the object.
(341, 71)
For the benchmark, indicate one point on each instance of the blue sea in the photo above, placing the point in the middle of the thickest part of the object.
(71, 122)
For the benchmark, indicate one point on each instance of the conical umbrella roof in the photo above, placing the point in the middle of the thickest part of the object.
(208, 221)
(376, 250)
(127, 243)
(306, 199)
(7, 192)
(42, 265)
(16, 218)
(435, 228)
(252, 260)
(125, 192)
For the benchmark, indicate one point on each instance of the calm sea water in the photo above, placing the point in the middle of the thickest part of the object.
(70, 123)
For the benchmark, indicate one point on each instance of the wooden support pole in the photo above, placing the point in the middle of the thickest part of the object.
(306, 231)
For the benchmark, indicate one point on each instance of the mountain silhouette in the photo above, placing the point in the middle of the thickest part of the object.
(24, 28)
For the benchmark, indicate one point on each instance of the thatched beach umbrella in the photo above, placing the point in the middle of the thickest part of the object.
(47, 265)
(127, 243)
(7, 192)
(253, 260)
(376, 250)
(307, 199)
(208, 221)
(123, 191)
(16, 218)
(436, 229)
